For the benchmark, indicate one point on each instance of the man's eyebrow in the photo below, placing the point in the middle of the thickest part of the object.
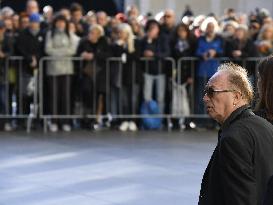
(209, 85)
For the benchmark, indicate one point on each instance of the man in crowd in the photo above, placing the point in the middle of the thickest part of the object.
(32, 7)
(82, 27)
(241, 164)
(29, 44)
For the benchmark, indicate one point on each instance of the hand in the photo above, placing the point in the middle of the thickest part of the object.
(79, 28)
(206, 56)
(189, 80)
(33, 63)
(120, 42)
(2, 55)
(87, 56)
(236, 53)
(148, 53)
(212, 53)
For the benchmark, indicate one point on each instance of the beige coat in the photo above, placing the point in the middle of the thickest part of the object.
(60, 45)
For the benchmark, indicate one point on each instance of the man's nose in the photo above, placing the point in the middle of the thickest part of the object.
(205, 98)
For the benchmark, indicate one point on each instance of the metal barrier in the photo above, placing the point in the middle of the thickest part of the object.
(20, 91)
(248, 63)
(119, 62)
(15, 92)
(50, 83)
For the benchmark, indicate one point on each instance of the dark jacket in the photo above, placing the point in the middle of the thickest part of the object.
(247, 48)
(101, 51)
(130, 67)
(181, 49)
(268, 199)
(6, 46)
(241, 164)
(28, 45)
(161, 49)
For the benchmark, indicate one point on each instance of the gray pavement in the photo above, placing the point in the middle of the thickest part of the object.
(103, 168)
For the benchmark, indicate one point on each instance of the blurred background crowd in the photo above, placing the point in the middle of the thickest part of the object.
(94, 36)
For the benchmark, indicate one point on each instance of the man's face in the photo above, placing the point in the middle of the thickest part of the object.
(169, 18)
(102, 19)
(153, 31)
(77, 15)
(2, 30)
(32, 7)
(24, 22)
(34, 26)
(210, 29)
(219, 105)
(93, 35)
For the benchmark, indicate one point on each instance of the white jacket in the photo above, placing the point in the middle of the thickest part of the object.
(60, 45)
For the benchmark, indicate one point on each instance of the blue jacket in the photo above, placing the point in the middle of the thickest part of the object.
(208, 68)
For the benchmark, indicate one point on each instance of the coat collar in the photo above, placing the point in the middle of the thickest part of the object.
(235, 114)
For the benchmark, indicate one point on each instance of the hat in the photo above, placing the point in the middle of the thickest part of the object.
(35, 17)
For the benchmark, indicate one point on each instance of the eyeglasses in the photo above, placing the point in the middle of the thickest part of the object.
(209, 91)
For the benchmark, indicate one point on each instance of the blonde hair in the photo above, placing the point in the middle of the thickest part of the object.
(124, 27)
(97, 27)
(208, 20)
(262, 31)
(238, 78)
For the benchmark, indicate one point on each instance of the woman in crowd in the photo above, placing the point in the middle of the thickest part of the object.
(264, 107)
(264, 40)
(128, 79)
(60, 43)
(136, 27)
(229, 29)
(209, 47)
(155, 46)
(183, 45)
(240, 46)
(94, 49)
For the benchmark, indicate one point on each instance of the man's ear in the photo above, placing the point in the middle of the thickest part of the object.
(237, 97)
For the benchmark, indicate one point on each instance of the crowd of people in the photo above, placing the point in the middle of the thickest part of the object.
(95, 36)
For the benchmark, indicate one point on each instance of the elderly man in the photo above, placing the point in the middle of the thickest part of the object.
(242, 161)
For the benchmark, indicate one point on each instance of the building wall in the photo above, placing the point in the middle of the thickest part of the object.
(201, 6)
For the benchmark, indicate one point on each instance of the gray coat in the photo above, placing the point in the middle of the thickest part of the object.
(58, 46)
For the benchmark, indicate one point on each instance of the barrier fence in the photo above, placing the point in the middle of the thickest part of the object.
(19, 91)
(113, 89)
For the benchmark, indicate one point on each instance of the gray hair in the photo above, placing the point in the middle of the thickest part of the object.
(238, 78)
(98, 28)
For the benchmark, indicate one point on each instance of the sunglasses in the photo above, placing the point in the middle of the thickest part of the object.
(209, 91)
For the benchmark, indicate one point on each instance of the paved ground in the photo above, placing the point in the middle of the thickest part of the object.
(104, 168)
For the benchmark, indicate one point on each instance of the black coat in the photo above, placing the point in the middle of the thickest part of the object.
(131, 70)
(28, 45)
(247, 48)
(187, 50)
(241, 164)
(268, 199)
(101, 51)
(161, 49)
(6, 46)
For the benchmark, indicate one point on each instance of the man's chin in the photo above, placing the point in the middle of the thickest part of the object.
(210, 113)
